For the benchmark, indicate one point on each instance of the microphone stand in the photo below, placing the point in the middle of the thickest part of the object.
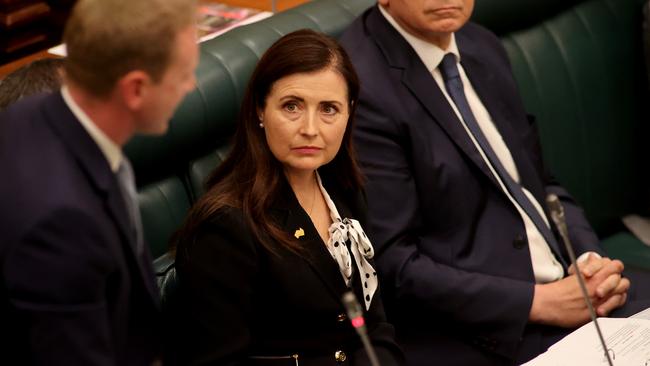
(557, 215)
(355, 314)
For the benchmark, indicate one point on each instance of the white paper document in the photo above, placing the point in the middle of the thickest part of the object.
(645, 314)
(627, 339)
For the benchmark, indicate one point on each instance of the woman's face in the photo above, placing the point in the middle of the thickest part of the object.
(305, 119)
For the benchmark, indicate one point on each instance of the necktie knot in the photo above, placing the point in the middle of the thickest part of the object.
(125, 174)
(448, 67)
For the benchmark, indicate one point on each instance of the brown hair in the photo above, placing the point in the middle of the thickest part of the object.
(106, 39)
(251, 177)
(40, 76)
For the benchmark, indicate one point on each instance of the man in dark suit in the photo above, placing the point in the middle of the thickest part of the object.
(77, 284)
(472, 272)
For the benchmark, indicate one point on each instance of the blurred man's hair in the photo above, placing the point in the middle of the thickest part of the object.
(106, 39)
(40, 76)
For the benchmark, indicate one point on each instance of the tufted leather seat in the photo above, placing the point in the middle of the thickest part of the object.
(580, 73)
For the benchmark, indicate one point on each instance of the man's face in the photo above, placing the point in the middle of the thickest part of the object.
(163, 97)
(431, 20)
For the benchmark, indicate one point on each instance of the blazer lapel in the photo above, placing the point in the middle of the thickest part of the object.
(295, 221)
(483, 79)
(99, 174)
(415, 76)
(117, 209)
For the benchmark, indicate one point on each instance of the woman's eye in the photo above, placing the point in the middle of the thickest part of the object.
(330, 109)
(291, 107)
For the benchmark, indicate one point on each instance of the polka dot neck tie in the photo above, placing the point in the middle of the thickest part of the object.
(342, 231)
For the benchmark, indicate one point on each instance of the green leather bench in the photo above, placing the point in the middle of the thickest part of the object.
(578, 64)
(581, 74)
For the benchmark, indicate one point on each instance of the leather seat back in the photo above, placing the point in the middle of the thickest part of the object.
(581, 74)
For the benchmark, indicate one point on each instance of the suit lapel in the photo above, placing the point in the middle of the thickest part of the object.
(416, 77)
(430, 96)
(118, 212)
(482, 78)
(419, 81)
(96, 168)
(292, 218)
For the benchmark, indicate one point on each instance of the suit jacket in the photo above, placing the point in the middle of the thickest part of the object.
(73, 289)
(238, 299)
(452, 249)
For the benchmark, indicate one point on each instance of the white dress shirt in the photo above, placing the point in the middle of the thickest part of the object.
(112, 151)
(545, 265)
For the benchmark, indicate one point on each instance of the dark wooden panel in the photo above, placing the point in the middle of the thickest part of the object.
(30, 13)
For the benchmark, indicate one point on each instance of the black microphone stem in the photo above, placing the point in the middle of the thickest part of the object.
(355, 314)
(557, 215)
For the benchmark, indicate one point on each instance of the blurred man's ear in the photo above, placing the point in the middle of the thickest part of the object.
(133, 88)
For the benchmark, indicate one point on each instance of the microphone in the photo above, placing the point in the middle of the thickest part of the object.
(355, 314)
(557, 215)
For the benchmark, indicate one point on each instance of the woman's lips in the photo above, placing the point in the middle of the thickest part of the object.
(307, 150)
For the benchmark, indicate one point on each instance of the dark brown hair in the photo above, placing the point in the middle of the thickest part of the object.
(251, 177)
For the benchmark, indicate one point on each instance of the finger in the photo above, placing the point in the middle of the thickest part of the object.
(612, 303)
(609, 267)
(582, 261)
(606, 287)
(623, 286)
(572, 270)
(593, 265)
(623, 299)
(616, 265)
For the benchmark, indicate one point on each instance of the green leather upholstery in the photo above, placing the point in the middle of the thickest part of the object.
(578, 68)
(200, 169)
(581, 75)
(504, 16)
(163, 206)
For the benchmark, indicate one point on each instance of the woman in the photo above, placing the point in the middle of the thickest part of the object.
(266, 255)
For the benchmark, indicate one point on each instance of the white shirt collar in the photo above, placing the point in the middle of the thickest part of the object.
(110, 149)
(430, 54)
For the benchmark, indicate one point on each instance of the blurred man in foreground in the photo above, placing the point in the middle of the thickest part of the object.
(77, 286)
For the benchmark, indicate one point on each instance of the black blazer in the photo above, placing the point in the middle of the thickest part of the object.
(451, 248)
(73, 291)
(239, 300)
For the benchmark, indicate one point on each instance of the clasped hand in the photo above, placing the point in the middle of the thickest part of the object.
(561, 303)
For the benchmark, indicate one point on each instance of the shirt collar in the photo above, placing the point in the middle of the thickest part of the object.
(430, 54)
(110, 149)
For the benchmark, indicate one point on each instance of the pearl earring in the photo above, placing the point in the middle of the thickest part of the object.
(261, 125)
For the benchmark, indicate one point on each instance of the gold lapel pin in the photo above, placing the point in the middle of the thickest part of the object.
(300, 232)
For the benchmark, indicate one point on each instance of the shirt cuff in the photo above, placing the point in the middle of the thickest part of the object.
(583, 257)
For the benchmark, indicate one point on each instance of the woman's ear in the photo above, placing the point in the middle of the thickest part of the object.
(260, 114)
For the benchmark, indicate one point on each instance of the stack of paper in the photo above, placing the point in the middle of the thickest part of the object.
(627, 339)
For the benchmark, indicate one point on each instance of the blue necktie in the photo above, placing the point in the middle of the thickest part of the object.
(126, 180)
(454, 86)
